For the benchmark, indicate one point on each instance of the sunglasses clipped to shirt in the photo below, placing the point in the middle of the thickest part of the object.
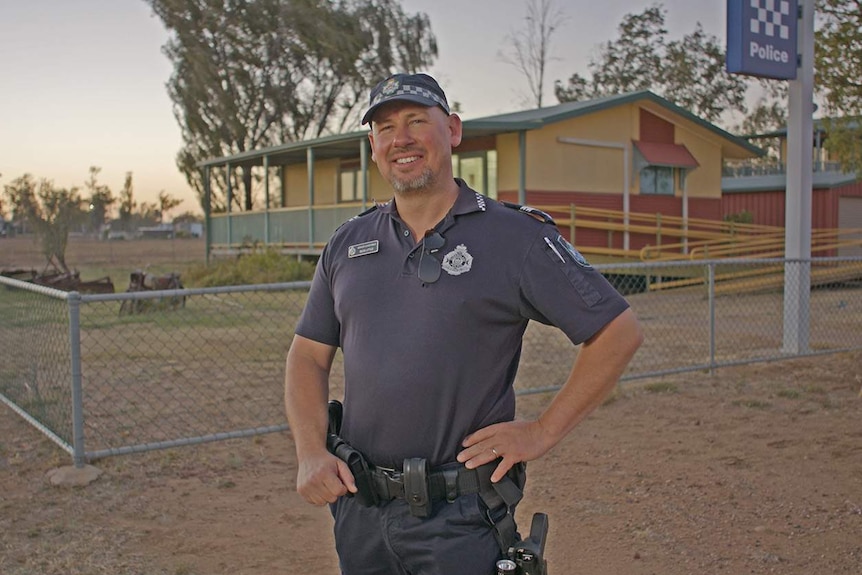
(429, 265)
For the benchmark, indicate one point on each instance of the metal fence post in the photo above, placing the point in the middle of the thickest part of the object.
(711, 297)
(78, 452)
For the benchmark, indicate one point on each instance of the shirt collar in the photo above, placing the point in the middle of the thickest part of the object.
(468, 201)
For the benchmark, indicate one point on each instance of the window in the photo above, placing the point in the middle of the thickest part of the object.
(657, 180)
(348, 184)
(478, 170)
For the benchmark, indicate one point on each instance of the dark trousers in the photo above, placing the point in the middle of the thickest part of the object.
(458, 539)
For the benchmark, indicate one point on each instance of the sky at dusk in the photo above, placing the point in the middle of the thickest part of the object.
(82, 82)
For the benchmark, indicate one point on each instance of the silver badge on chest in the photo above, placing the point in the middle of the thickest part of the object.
(458, 261)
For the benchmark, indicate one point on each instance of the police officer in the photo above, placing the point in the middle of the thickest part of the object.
(428, 297)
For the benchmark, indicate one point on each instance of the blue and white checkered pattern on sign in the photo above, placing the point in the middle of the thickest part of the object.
(771, 17)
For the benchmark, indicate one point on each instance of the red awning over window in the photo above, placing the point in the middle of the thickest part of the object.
(671, 155)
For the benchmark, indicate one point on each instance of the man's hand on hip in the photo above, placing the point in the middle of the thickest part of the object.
(513, 441)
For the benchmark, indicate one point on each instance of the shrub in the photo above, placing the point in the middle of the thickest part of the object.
(260, 267)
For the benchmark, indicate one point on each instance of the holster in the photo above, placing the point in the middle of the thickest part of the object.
(366, 494)
(529, 554)
(506, 492)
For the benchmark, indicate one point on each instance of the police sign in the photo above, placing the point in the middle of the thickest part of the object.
(761, 38)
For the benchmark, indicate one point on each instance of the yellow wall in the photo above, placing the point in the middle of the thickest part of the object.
(379, 189)
(576, 167)
(556, 166)
(325, 183)
(705, 180)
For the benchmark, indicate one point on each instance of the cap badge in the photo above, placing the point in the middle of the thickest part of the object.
(390, 87)
(458, 261)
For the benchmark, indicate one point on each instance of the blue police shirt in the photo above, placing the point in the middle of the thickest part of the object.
(426, 364)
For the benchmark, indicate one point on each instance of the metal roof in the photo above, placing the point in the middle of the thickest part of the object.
(820, 125)
(348, 144)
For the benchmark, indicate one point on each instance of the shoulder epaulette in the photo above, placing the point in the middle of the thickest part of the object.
(535, 212)
(359, 215)
(368, 211)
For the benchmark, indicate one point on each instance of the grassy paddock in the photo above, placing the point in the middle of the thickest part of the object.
(96, 258)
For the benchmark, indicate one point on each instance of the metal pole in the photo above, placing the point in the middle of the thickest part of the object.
(626, 196)
(684, 211)
(711, 296)
(797, 231)
(78, 452)
(229, 201)
(363, 163)
(522, 161)
(207, 213)
(266, 200)
(309, 159)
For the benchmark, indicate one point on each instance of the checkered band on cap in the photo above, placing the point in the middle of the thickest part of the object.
(407, 90)
(419, 88)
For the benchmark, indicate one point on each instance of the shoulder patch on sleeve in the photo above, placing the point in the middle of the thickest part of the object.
(536, 213)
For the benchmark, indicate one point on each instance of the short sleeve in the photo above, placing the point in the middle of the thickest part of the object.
(559, 287)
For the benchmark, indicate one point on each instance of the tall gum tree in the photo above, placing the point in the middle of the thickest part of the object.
(255, 73)
(689, 72)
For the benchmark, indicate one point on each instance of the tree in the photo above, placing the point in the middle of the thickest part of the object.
(694, 76)
(127, 203)
(188, 217)
(148, 213)
(100, 200)
(838, 69)
(50, 211)
(629, 64)
(767, 116)
(689, 72)
(529, 48)
(254, 73)
(166, 203)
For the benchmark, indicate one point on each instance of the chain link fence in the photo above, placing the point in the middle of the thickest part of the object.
(110, 374)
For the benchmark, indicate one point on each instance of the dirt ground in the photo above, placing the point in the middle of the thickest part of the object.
(754, 469)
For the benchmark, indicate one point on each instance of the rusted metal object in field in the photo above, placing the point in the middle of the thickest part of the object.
(139, 281)
(66, 281)
(25, 275)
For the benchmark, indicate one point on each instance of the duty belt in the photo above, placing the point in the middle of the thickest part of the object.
(447, 482)
(420, 486)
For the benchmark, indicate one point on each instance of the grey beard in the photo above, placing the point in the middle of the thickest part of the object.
(419, 183)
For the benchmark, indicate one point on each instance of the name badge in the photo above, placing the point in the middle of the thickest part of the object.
(363, 249)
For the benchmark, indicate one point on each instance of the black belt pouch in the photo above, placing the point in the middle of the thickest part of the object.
(416, 490)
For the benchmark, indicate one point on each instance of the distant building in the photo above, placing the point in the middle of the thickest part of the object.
(633, 152)
(188, 229)
(163, 231)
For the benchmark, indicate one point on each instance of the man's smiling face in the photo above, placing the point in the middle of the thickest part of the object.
(412, 145)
